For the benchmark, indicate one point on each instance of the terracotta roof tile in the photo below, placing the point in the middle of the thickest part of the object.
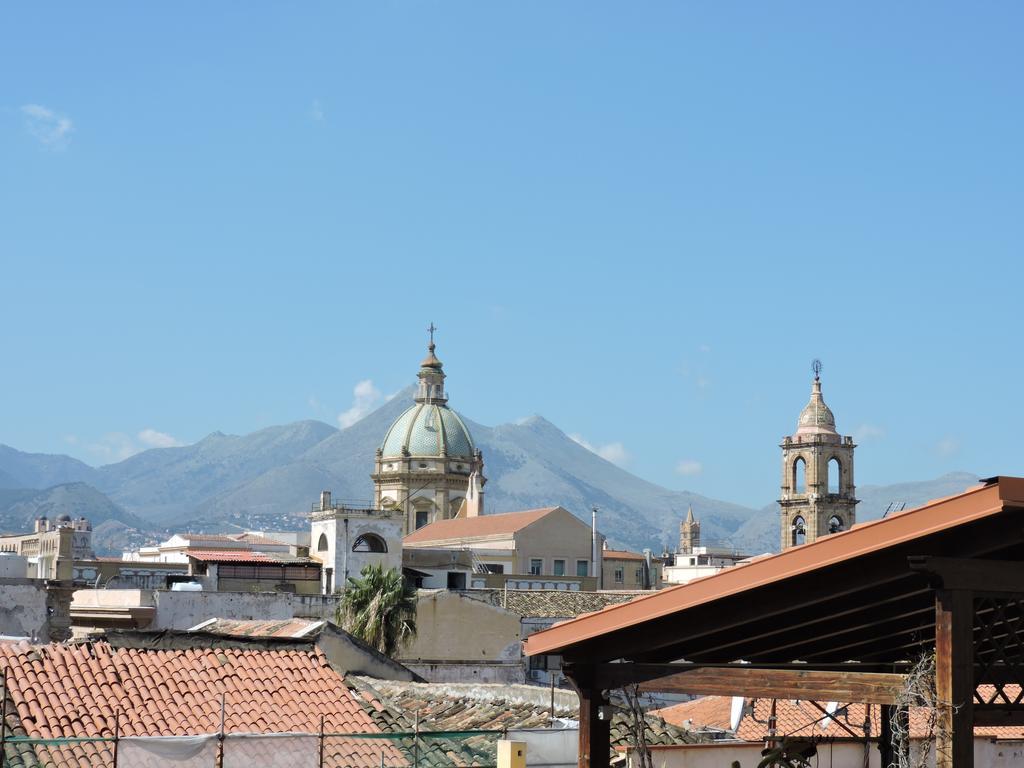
(800, 718)
(484, 525)
(621, 554)
(244, 556)
(74, 691)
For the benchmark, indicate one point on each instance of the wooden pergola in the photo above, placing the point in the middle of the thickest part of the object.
(841, 619)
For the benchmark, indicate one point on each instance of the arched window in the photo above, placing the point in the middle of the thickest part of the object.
(321, 543)
(799, 533)
(834, 472)
(835, 524)
(370, 542)
(799, 483)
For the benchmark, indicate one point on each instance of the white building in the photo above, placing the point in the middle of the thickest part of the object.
(344, 540)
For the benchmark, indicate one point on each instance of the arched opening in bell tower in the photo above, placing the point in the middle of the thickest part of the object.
(835, 470)
(799, 531)
(799, 480)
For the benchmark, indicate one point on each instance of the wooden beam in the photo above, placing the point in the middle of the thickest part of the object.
(976, 575)
(744, 680)
(954, 679)
(999, 714)
(594, 731)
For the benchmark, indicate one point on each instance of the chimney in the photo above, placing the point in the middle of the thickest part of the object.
(325, 500)
(648, 569)
(595, 549)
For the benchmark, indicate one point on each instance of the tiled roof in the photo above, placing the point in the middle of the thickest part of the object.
(471, 706)
(621, 554)
(551, 603)
(229, 556)
(800, 718)
(259, 627)
(484, 525)
(61, 691)
(207, 537)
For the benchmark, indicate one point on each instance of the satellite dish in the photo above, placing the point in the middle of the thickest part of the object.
(831, 708)
(736, 714)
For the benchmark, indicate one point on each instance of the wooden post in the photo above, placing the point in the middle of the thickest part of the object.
(886, 748)
(954, 678)
(595, 731)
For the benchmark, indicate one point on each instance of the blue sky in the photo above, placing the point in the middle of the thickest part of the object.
(640, 221)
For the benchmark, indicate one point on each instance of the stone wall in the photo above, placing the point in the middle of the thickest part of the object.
(23, 608)
(183, 610)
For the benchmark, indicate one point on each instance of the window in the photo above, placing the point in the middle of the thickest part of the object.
(456, 580)
(559, 568)
(639, 575)
(369, 542)
(422, 518)
(494, 567)
(582, 567)
(321, 543)
(536, 566)
(619, 577)
(835, 524)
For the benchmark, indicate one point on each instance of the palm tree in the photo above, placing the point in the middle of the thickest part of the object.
(379, 608)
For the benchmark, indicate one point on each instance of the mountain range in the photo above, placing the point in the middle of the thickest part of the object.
(269, 479)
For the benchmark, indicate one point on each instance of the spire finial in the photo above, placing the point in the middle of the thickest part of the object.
(816, 367)
(431, 330)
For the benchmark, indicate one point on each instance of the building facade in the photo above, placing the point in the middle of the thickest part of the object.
(428, 464)
(818, 493)
(52, 548)
(345, 540)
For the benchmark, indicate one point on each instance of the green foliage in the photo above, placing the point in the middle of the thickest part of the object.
(379, 608)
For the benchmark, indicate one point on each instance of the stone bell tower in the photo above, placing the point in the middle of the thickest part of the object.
(817, 475)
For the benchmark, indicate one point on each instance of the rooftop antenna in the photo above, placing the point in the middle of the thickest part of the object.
(816, 367)
(894, 507)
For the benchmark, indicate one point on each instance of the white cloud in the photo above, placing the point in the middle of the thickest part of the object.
(704, 348)
(947, 446)
(52, 129)
(615, 452)
(113, 446)
(868, 432)
(365, 397)
(316, 111)
(689, 468)
(153, 439)
(118, 446)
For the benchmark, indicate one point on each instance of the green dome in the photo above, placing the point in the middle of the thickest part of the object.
(428, 429)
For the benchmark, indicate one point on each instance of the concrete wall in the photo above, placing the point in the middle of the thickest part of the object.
(183, 610)
(459, 639)
(23, 604)
(475, 672)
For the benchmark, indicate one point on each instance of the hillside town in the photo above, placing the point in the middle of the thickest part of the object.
(382, 620)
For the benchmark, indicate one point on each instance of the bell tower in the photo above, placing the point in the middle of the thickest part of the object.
(817, 475)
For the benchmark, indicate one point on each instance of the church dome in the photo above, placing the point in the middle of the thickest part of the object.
(428, 429)
(816, 417)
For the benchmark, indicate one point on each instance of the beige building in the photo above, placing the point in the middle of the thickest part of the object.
(818, 494)
(548, 546)
(622, 569)
(52, 548)
(427, 468)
